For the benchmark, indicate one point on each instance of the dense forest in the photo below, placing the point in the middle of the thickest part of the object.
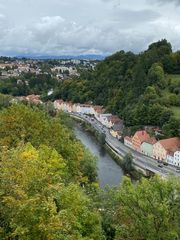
(27, 83)
(143, 89)
(49, 188)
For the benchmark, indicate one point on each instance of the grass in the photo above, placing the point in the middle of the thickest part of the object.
(176, 111)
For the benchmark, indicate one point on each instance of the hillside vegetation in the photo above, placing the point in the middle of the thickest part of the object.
(49, 190)
(143, 89)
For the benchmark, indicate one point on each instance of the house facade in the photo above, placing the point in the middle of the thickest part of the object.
(159, 152)
(103, 118)
(163, 148)
(128, 142)
(138, 138)
(117, 129)
(174, 158)
(147, 149)
(97, 111)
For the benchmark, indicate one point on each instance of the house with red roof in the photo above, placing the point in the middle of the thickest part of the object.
(138, 138)
(165, 147)
(97, 111)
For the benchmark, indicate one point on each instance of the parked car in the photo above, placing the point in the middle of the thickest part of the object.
(160, 165)
(178, 170)
(165, 163)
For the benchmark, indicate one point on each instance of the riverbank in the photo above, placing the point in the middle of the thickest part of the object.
(109, 172)
(134, 174)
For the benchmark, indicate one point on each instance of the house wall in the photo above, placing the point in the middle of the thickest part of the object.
(128, 143)
(175, 159)
(147, 149)
(85, 110)
(104, 118)
(170, 159)
(114, 133)
(136, 143)
(159, 152)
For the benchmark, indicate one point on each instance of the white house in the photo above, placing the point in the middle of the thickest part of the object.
(103, 118)
(85, 108)
(174, 158)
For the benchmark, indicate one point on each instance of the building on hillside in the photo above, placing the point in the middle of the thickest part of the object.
(86, 109)
(111, 120)
(128, 142)
(68, 107)
(117, 129)
(58, 104)
(34, 99)
(166, 147)
(97, 111)
(147, 147)
(103, 118)
(173, 158)
(76, 108)
(138, 138)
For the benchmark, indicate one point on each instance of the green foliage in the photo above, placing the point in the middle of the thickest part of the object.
(20, 123)
(28, 83)
(127, 163)
(35, 203)
(172, 128)
(5, 101)
(148, 210)
(89, 167)
(176, 111)
(136, 87)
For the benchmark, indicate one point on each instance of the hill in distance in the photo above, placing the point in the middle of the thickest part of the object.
(143, 89)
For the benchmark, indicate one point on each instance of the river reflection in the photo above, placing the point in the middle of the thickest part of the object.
(109, 173)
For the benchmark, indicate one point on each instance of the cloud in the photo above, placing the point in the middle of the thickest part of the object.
(177, 2)
(85, 26)
(134, 17)
(2, 16)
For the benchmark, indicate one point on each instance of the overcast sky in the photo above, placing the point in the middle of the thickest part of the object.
(63, 27)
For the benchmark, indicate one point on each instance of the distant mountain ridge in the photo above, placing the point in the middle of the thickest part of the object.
(77, 57)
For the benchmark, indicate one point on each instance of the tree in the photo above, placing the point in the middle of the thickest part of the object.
(156, 75)
(172, 128)
(36, 204)
(148, 210)
(20, 123)
(127, 162)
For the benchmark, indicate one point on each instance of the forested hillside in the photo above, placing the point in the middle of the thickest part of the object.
(49, 190)
(143, 89)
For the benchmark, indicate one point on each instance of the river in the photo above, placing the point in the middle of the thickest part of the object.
(109, 173)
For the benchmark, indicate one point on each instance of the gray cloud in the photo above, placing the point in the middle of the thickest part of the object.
(177, 2)
(84, 26)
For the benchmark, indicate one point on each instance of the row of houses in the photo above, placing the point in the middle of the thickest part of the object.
(114, 123)
(35, 99)
(167, 150)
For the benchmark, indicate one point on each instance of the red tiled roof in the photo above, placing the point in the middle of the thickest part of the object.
(99, 109)
(171, 144)
(142, 135)
(151, 141)
(114, 119)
